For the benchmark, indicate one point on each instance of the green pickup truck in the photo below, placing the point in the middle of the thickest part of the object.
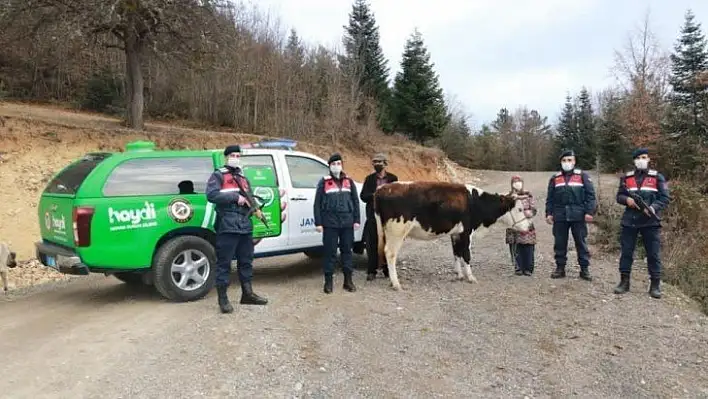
(142, 216)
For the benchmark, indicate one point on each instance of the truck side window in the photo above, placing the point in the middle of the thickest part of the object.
(158, 176)
(305, 172)
(259, 160)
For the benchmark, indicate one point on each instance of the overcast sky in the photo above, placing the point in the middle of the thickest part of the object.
(504, 53)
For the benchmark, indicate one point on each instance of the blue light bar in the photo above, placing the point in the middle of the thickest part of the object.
(283, 144)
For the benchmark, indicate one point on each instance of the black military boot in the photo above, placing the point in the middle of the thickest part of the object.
(559, 272)
(348, 282)
(370, 276)
(248, 297)
(328, 284)
(585, 275)
(385, 270)
(623, 286)
(655, 289)
(224, 304)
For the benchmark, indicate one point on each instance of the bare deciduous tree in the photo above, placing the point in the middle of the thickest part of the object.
(642, 70)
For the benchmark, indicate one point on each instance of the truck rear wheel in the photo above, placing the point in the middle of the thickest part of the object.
(185, 268)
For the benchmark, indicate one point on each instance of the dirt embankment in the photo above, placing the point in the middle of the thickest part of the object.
(37, 141)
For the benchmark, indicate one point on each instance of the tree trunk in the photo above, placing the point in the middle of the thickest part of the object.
(134, 79)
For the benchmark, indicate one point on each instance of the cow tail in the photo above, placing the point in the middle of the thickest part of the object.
(379, 234)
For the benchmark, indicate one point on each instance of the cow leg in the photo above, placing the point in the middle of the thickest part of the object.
(457, 252)
(392, 248)
(395, 235)
(467, 257)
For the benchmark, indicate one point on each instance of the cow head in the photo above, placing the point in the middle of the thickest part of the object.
(11, 260)
(491, 208)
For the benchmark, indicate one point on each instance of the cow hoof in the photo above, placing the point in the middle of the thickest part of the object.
(472, 280)
(396, 287)
(460, 278)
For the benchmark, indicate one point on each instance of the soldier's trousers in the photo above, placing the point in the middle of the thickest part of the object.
(652, 245)
(228, 247)
(332, 238)
(560, 244)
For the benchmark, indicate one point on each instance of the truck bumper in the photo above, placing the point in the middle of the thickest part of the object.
(60, 259)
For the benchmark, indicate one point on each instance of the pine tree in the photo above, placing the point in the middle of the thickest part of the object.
(585, 148)
(613, 147)
(419, 108)
(567, 130)
(690, 93)
(294, 50)
(364, 62)
(504, 127)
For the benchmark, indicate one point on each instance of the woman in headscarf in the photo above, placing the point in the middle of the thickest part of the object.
(522, 245)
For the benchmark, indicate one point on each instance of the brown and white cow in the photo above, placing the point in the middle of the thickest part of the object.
(428, 210)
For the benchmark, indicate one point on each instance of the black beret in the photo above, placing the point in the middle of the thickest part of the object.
(232, 148)
(334, 157)
(639, 151)
(567, 153)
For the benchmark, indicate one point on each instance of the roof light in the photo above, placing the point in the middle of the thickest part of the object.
(281, 144)
(140, 145)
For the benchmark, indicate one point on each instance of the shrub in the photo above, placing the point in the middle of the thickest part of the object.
(103, 93)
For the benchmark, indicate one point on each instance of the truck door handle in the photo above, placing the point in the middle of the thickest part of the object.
(299, 198)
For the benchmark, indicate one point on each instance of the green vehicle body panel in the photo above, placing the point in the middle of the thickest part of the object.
(55, 218)
(126, 230)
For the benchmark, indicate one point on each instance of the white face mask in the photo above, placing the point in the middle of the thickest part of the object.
(234, 162)
(567, 166)
(518, 185)
(641, 163)
(335, 169)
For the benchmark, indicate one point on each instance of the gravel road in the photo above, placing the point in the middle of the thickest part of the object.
(507, 336)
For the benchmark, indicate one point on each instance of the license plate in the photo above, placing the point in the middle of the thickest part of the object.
(51, 262)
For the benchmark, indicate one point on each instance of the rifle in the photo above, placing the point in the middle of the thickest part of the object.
(642, 205)
(255, 207)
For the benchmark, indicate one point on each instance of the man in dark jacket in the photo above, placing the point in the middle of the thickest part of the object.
(373, 181)
(651, 187)
(234, 229)
(570, 205)
(336, 212)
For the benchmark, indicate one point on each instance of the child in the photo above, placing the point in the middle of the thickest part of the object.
(522, 244)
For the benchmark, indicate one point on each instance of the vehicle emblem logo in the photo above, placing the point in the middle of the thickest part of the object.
(266, 193)
(180, 210)
(47, 220)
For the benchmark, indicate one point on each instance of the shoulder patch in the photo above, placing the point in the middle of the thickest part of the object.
(577, 171)
(630, 173)
(223, 169)
(558, 173)
(328, 177)
(652, 172)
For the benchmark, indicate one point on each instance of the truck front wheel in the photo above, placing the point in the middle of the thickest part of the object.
(185, 268)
